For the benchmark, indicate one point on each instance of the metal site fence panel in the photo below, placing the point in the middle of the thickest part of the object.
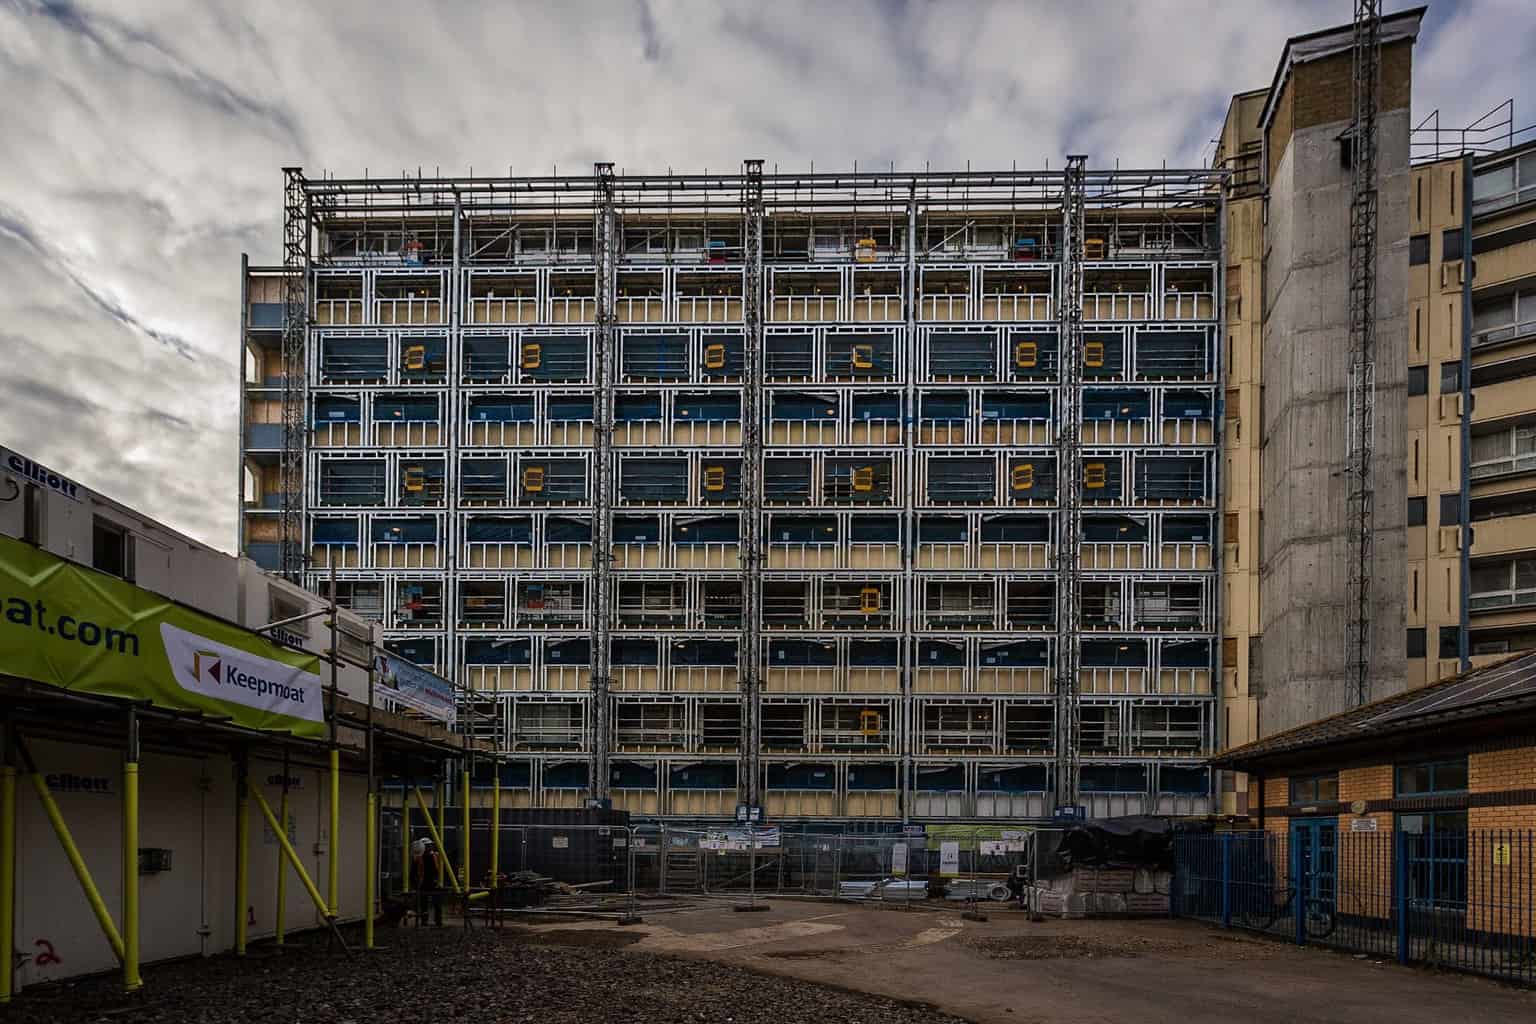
(1422, 893)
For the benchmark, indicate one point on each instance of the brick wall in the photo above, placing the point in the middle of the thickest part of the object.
(1501, 854)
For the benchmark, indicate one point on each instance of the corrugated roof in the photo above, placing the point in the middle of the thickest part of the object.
(1480, 693)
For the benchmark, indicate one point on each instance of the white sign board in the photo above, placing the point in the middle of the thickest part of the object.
(949, 858)
(899, 860)
(1362, 825)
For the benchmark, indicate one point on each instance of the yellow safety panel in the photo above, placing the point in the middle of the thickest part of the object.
(1093, 248)
(533, 478)
(414, 357)
(415, 478)
(864, 478)
(1022, 477)
(869, 722)
(869, 600)
(714, 478)
(1094, 475)
(1093, 353)
(533, 354)
(714, 357)
(1025, 353)
(863, 357)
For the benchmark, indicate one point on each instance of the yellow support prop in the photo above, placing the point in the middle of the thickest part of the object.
(496, 827)
(279, 934)
(293, 857)
(132, 982)
(333, 863)
(464, 839)
(437, 840)
(405, 842)
(82, 873)
(242, 863)
(7, 880)
(370, 869)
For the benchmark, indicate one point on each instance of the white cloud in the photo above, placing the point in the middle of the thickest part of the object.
(144, 141)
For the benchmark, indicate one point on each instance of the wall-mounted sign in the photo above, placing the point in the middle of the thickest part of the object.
(1362, 825)
(415, 687)
(39, 474)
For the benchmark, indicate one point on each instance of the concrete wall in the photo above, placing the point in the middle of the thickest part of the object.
(1304, 589)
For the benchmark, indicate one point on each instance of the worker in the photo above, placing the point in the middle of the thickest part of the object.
(427, 873)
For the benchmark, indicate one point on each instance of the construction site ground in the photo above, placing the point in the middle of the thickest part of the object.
(799, 961)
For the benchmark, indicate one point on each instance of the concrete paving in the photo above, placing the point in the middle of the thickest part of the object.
(1008, 969)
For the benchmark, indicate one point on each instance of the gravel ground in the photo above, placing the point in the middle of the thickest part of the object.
(426, 975)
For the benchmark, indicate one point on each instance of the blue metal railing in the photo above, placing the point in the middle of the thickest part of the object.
(1449, 897)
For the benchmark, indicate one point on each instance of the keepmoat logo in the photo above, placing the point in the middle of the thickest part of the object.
(226, 673)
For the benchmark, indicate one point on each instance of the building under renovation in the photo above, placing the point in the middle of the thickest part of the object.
(768, 488)
(916, 496)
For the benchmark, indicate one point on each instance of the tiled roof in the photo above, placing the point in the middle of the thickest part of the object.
(1479, 693)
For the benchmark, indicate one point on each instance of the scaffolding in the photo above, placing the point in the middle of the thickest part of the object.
(842, 495)
(1362, 342)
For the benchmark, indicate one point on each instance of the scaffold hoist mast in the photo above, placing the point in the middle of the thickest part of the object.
(1069, 531)
(605, 249)
(1362, 344)
(295, 374)
(751, 653)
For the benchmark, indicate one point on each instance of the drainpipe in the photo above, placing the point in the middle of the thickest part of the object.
(1463, 631)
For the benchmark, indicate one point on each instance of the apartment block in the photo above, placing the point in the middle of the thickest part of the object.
(785, 452)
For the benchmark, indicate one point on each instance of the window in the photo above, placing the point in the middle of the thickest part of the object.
(112, 549)
(32, 514)
(1511, 450)
(1450, 509)
(1418, 380)
(1311, 789)
(1450, 378)
(1450, 641)
(1506, 185)
(1450, 244)
(1504, 318)
(1418, 250)
(1504, 584)
(1416, 643)
(1417, 509)
(1427, 777)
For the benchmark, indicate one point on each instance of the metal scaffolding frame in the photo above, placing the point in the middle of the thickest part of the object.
(296, 235)
(1069, 530)
(605, 386)
(1362, 343)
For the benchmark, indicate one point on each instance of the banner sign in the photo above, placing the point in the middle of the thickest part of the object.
(949, 858)
(64, 625)
(740, 839)
(413, 686)
(899, 860)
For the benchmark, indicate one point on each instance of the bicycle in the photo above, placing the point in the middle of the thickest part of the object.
(1262, 913)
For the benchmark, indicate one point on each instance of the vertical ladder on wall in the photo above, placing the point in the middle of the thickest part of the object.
(605, 250)
(1069, 462)
(1362, 344)
(750, 540)
(295, 375)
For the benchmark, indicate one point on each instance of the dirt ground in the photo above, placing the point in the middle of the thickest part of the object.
(869, 965)
(1008, 969)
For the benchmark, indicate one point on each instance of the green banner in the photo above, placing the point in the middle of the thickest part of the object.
(72, 627)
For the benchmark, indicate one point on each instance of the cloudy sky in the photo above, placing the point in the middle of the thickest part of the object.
(144, 140)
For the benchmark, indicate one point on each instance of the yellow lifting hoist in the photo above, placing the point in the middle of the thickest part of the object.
(1025, 353)
(414, 357)
(533, 479)
(1022, 477)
